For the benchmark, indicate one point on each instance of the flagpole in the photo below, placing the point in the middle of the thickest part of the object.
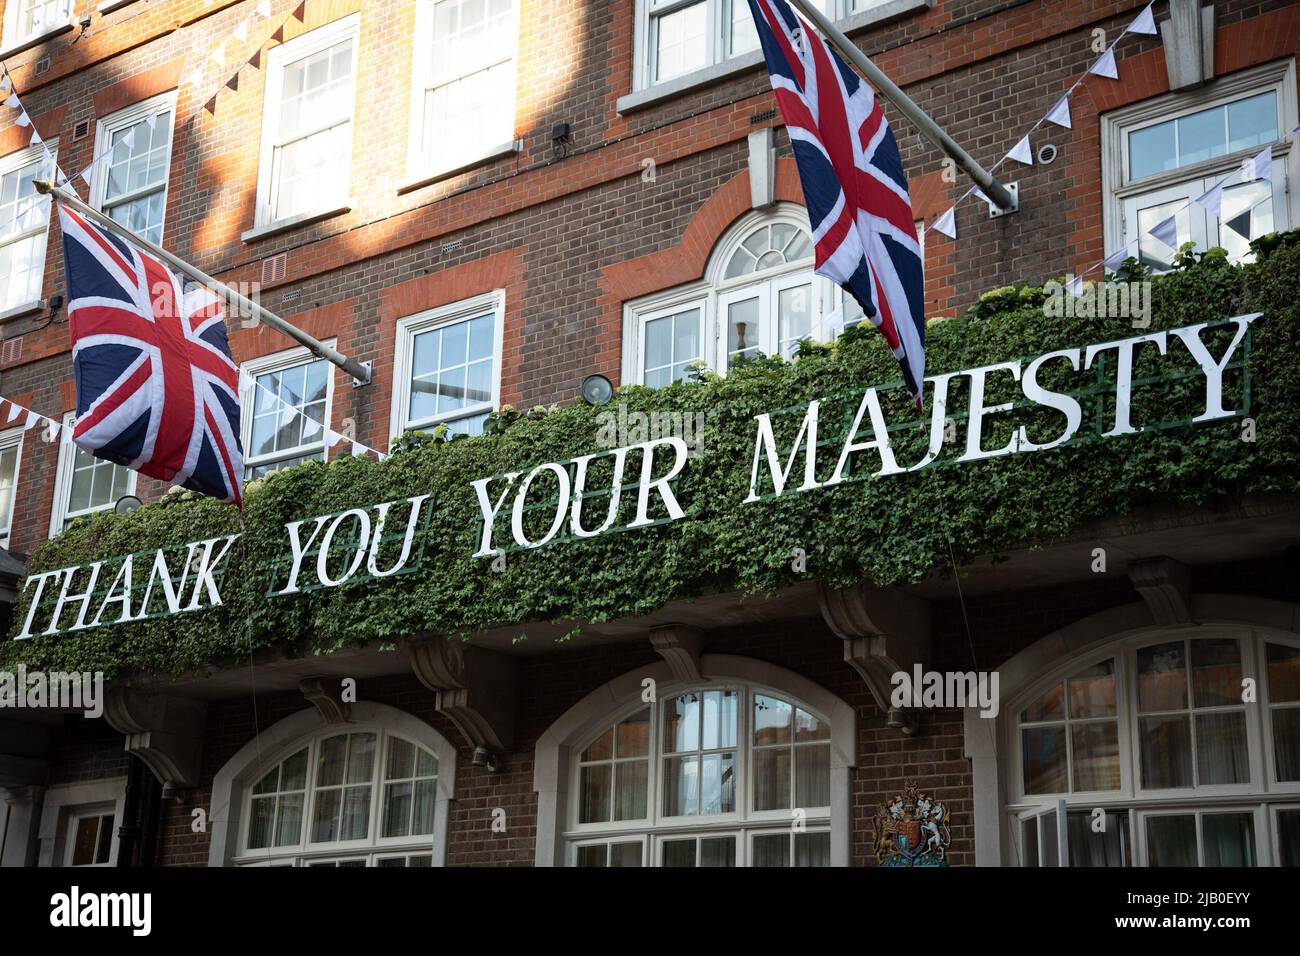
(890, 91)
(359, 371)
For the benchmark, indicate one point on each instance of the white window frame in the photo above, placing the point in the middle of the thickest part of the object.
(425, 77)
(11, 438)
(278, 362)
(13, 40)
(12, 163)
(848, 14)
(276, 61)
(372, 846)
(711, 294)
(65, 801)
(1193, 179)
(657, 827)
(63, 483)
(104, 130)
(404, 353)
(1262, 792)
(82, 813)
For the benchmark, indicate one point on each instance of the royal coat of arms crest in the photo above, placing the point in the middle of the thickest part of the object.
(912, 830)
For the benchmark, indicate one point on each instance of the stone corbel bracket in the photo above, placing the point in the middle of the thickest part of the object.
(164, 732)
(326, 695)
(1166, 586)
(475, 690)
(884, 632)
(680, 646)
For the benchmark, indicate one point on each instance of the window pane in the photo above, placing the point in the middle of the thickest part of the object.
(325, 818)
(794, 318)
(1229, 839)
(1171, 840)
(1202, 136)
(812, 849)
(1051, 706)
(401, 759)
(356, 813)
(397, 809)
(1286, 743)
(1152, 252)
(1288, 837)
(1162, 677)
(744, 36)
(680, 41)
(772, 849)
(262, 818)
(625, 854)
(682, 724)
(592, 856)
(681, 786)
(718, 851)
(772, 778)
(1166, 752)
(631, 789)
(594, 805)
(719, 719)
(1221, 755)
(1252, 122)
(1246, 214)
(718, 783)
(329, 770)
(295, 771)
(1092, 849)
(1216, 673)
(1044, 759)
(679, 853)
(812, 776)
(632, 736)
(1092, 692)
(743, 329)
(1283, 673)
(422, 818)
(1095, 756)
(1152, 150)
(288, 831)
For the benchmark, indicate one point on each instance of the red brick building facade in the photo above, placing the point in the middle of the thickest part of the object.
(621, 165)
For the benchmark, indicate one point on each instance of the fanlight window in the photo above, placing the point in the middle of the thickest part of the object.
(769, 247)
(709, 777)
(1159, 727)
(369, 793)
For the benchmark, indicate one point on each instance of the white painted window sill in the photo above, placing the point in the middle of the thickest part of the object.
(294, 222)
(22, 311)
(653, 95)
(37, 40)
(428, 178)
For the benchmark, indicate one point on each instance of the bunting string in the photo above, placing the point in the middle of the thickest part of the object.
(310, 427)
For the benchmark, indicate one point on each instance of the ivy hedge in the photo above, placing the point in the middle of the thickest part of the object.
(894, 529)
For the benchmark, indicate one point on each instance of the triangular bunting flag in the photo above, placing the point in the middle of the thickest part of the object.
(332, 438)
(310, 426)
(1022, 152)
(23, 119)
(32, 419)
(211, 105)
(36, 138)
(1145, 22)
(1211, 199)
(218, 54)
(263, 9)
(1075, 286)
(359, 449)
(1240, 224)
(1060, 114)
(278, 35)
(979, 194)
(240, 32)
(13, 102)
(195, 78)
(947, 223)
(1115, 259)
(14, 411)
(1262, 165)
(255, 61)
(50, 431)
(300, 12)
(245, 381)
(233, 82)
(1105, 66)
(1167, 231)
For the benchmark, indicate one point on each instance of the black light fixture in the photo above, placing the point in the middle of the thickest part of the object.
(126, 504)
(597, 390)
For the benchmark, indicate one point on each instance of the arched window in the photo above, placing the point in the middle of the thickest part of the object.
(725, 775)
(758, 296)
(1176, 750)
(370, 792)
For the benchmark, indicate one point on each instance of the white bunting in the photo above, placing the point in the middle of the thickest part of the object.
(240, 32)
(1022, 152)
(1145, 22)
(13, 102)
(1105, 66)
(1167, 231)
(245, 381)
(1060, 114)
(359, 449)
(979, 194)
(310, 426)
(1262, 165)
(14, 411)
(23, 119)
(1212, 199)
(218, 54)
(947, 223)
(1115, 259)
(332, 438)
(32, 419)
(36, 139)
(195, 78)
(1075, 286)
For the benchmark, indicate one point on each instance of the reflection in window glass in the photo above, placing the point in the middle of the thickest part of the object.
(451, 375)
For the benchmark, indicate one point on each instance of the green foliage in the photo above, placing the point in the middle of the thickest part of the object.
(895, 530)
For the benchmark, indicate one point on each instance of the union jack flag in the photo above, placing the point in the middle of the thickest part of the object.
(853, 182)
(157, 390)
